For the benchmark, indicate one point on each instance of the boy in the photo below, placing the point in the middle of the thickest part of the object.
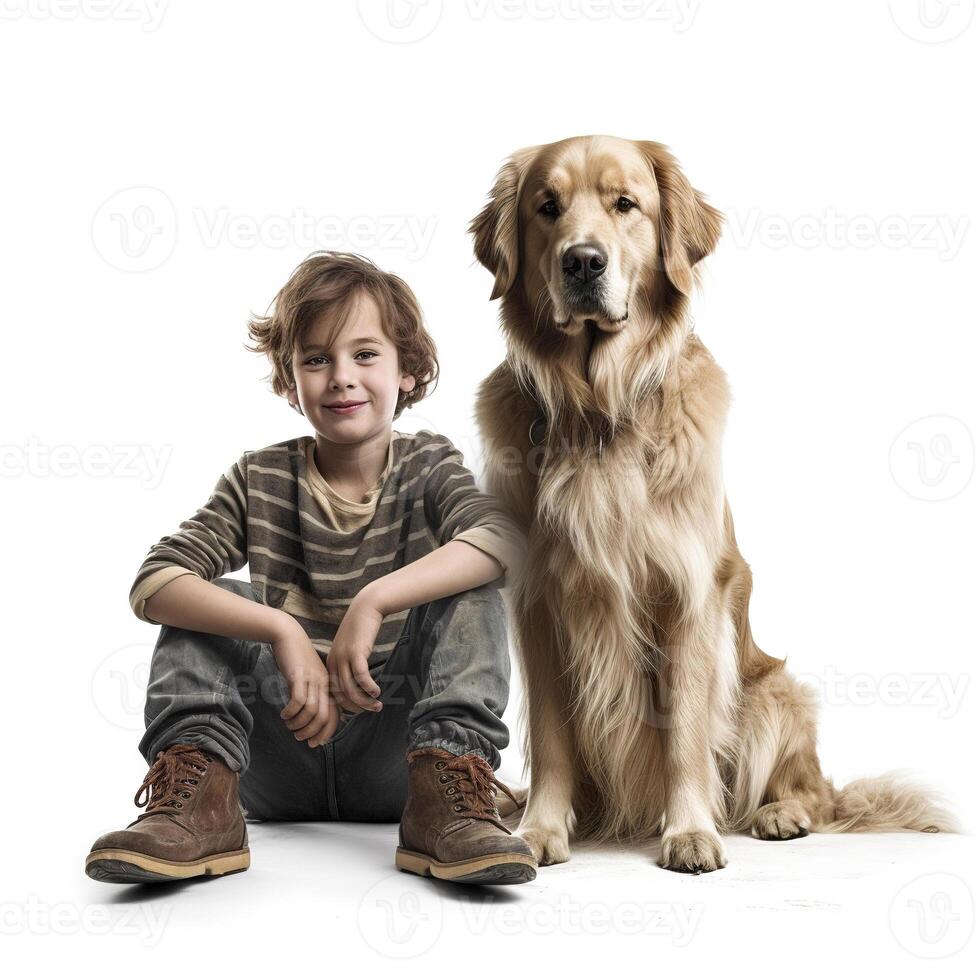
(363, 673)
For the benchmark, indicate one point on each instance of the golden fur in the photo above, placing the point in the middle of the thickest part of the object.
(649, 709)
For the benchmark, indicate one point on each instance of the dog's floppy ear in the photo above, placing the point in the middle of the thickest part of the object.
(689, 226)
(495, 229)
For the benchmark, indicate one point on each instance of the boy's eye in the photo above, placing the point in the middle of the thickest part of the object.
(321, 357)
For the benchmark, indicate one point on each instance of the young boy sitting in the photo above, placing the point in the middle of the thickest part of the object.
(363, 673)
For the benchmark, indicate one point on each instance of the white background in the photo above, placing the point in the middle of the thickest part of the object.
(840, 140)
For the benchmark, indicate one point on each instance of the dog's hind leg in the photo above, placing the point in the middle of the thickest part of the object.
(779, 791)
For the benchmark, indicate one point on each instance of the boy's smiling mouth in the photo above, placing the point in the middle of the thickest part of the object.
(344, 408)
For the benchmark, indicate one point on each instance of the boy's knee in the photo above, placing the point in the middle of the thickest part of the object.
(479, 613)
(474, 619)
(488, 592)
(483, 604)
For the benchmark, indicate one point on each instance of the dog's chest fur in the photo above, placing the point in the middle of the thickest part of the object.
(636, 504)
(643, 517)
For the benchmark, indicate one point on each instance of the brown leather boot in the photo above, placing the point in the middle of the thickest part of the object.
(451, 827)
(194, 824)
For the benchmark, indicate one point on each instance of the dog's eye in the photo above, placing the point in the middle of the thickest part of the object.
(549, 209)
(624, 204)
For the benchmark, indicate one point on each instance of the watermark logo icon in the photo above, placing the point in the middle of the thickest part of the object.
(933, 458)
(932, 915)
(399, 917)
(119, 686)
(931, 21)
(136, 229)
(400, 21)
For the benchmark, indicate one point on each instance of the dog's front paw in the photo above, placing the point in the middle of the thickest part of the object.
(783, 820)
(692, 852)
(549, 844)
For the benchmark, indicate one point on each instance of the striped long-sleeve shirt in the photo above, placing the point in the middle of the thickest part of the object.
(310, 551)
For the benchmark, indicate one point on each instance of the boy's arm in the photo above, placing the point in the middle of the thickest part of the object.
(455, 567)
(209, 544)
(194, 604)
(174, 583)
(479, 542)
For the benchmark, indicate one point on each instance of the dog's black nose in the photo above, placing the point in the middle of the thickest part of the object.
(584, 262)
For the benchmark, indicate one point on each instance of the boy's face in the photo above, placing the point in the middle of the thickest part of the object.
(361, 367)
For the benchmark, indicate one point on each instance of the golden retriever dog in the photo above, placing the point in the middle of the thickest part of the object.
(649, 709)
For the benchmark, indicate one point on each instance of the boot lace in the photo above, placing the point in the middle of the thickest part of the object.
(474, 784)
(174, 770)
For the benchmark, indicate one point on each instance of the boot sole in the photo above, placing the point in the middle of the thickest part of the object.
(131, 867)
(490, 869)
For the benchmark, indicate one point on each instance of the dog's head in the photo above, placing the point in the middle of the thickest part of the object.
(589, 229)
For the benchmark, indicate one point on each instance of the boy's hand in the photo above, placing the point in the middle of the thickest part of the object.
(311, 713)
(350, 680)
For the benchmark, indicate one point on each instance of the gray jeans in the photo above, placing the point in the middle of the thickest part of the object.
(445, 684)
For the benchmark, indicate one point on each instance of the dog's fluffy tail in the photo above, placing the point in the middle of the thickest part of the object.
(894, 801)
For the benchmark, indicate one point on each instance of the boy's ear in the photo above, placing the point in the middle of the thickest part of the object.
(495, 230)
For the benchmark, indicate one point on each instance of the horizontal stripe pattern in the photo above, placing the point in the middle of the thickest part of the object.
(269, 512)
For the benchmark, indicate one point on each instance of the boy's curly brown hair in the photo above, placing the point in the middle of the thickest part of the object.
(331, 281)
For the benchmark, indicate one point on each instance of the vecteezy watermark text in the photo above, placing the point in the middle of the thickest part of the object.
(567, 916)
(36, 459)
(409, 233)
(138, 228)
(407, 21)
(943, 234)
(147, 13)
(146, 920)
(942, 692)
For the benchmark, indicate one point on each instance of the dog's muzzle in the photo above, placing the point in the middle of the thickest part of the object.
(582, 267)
